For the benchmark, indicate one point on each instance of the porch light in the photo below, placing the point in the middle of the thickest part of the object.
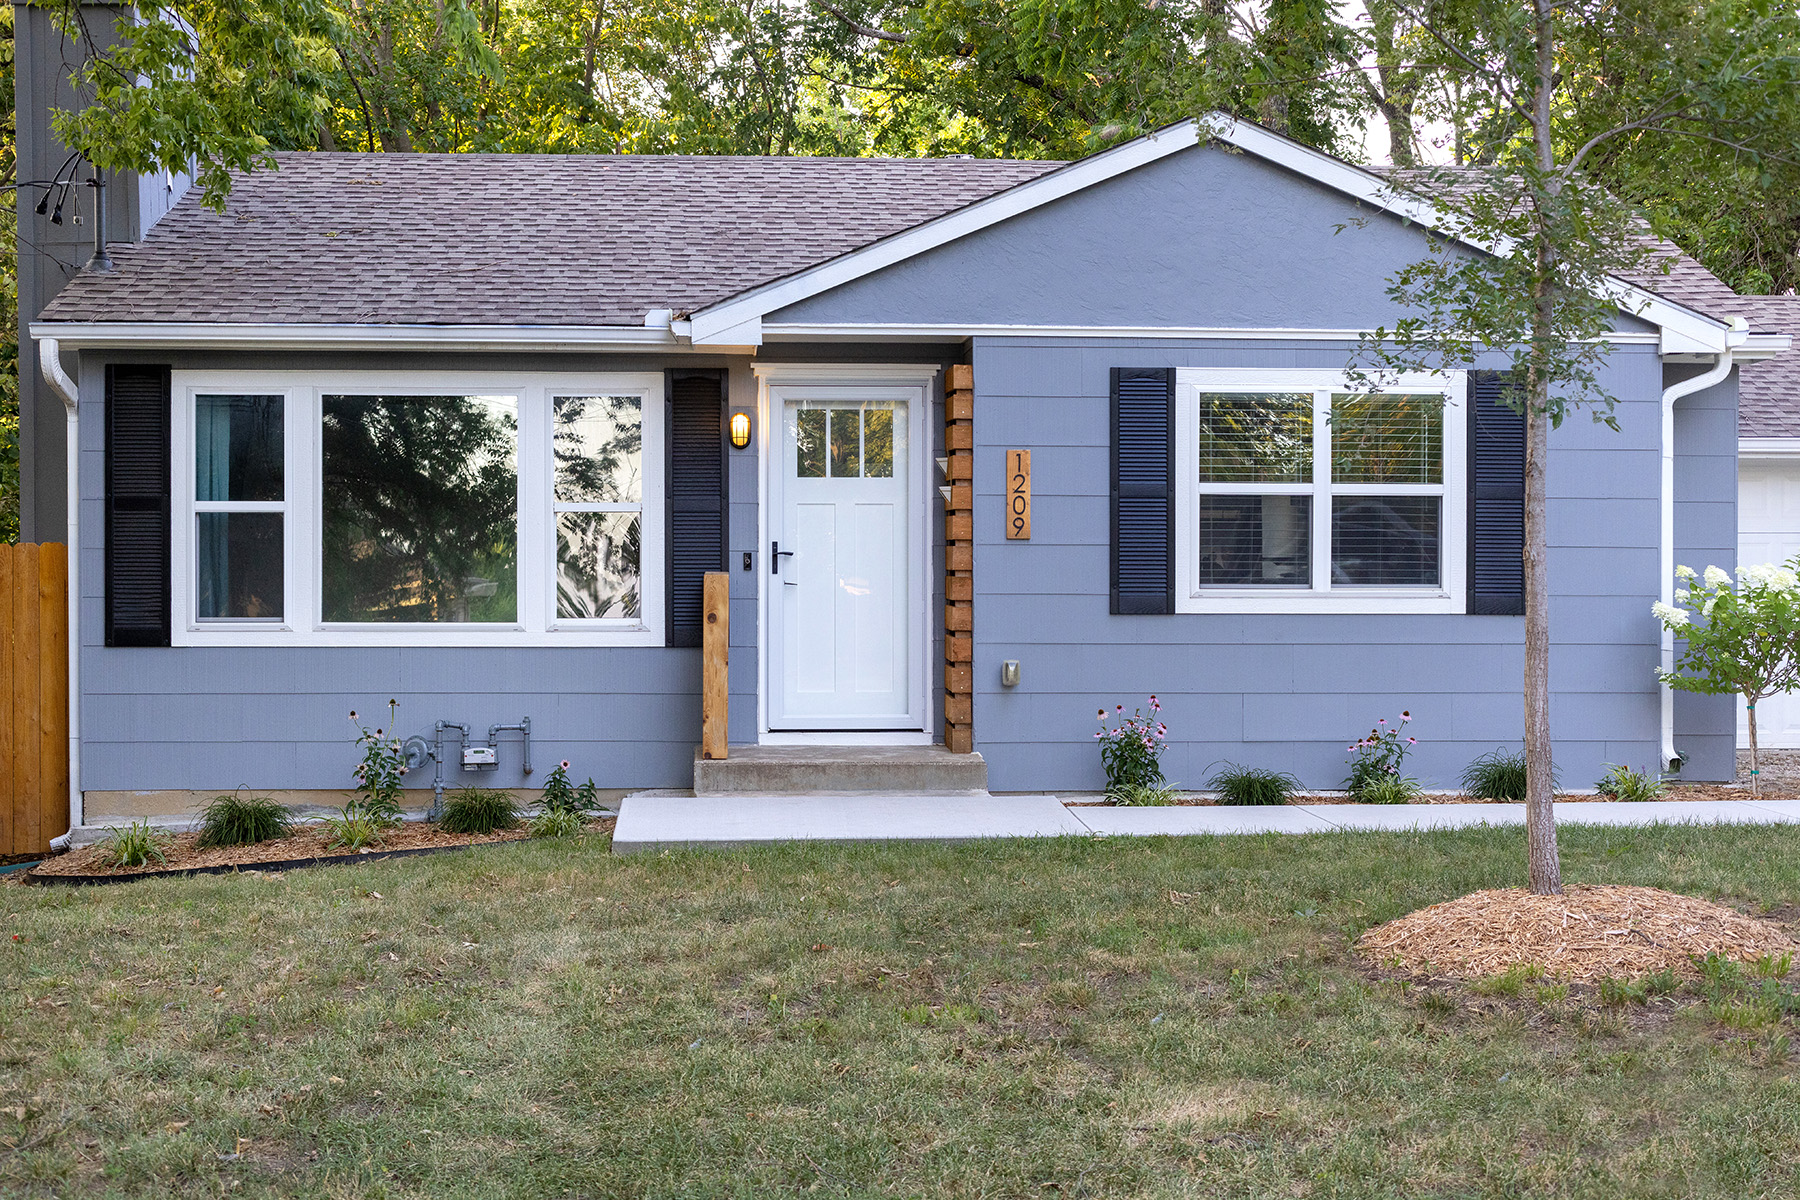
(740, 429)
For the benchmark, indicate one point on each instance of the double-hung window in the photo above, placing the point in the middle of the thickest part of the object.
(418, 509)
(1299, 493)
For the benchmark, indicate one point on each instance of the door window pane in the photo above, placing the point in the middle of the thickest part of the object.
(1387, 439)
(597, 564)
(420, 508)
(237, 447)
(846, 443)
(878, 442)
(1385, 541)
(809, 443)
(238, 566)
(1256, 437)
(598, 446)
(1255, 541)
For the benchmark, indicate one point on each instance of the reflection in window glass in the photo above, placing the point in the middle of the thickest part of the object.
(878, 442)
(238, 572)
(846, 443)
(1254, 541)
(1256, 437)
(1387, 439)
(1384, 541)
(809, 443)
(597, 564)
(420, 508)
(598, 446)
(237, 447)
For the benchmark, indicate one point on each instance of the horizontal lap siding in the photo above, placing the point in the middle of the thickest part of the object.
(1706, 523)
(1290, 692)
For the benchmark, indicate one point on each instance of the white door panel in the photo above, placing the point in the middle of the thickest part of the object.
(1769, 532)
(840, 611)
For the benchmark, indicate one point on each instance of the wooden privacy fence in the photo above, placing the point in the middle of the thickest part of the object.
(34, 696)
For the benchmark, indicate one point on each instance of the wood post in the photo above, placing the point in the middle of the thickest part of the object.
(715, 656)
(959, 560)
(34, 696)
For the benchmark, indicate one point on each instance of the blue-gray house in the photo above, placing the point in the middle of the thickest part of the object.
(459, 431)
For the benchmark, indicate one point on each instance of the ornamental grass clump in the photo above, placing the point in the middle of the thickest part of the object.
(1376, 761)
(242, 821)
(1623, 783)
(1252, 785)
(1498, 775)
(137, 845)
(478, 811)
(1746, 640)
(1130, 750)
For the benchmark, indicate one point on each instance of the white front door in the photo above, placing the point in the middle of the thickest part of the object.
(841, 579)
(1769, 532)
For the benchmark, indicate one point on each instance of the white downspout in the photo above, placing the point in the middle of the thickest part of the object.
(50, 363)
(1687, 387)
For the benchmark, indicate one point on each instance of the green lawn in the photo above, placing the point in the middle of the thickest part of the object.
(1074, 1018)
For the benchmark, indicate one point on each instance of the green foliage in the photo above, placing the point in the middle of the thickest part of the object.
(1143, 795)
(1498, 775)
(1386, 789)
(378, 775)
(557, 822)
(1623, 783)
(353, 830)
(478, 810)
(137, 845)
(237, 820)
(1130, 749)
(561, 796)
(1251, 785)
(1379, 757)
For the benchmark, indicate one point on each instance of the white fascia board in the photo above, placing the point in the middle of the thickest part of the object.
(178, 335)
(900, 332)
(1691, 327)
(1769, 447)
(710, 324)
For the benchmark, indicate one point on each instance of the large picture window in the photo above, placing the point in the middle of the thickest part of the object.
(425, 509)
(1297, 493)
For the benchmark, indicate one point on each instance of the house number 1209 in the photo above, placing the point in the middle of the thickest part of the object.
(1018, 494)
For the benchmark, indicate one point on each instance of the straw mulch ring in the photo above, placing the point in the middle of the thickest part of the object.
(1582, 936)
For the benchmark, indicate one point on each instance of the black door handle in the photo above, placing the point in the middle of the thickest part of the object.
(776, 554)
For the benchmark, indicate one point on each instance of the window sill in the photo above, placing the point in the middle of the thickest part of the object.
(1407, 603)
(501, 638)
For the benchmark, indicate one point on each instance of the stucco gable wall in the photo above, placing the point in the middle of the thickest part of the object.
(1206, 238)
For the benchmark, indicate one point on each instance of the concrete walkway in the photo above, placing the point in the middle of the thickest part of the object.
(655, 821)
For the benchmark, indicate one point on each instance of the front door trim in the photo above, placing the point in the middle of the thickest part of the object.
(772, 378)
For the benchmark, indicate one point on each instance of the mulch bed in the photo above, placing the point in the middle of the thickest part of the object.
(1589, 933)
(306, 847)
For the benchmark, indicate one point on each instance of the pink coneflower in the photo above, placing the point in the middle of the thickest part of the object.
(1405, 716)
(353, 714)
(565, 764)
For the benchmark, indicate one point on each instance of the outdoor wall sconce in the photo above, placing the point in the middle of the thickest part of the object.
(740, 429)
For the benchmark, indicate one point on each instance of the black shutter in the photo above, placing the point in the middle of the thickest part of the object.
(137, 505)
(697, 495)
(1143, 490)
(1496, 497)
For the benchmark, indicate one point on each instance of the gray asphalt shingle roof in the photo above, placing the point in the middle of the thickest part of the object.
(1769, 391)
(504, 239)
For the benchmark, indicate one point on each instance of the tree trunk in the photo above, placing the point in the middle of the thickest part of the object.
(1544, 864)
(1755, 771)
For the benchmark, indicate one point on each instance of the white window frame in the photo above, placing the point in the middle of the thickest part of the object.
(1320, 597)
(302, 549)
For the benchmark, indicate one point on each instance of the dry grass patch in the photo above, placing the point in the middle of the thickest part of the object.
(1587, 934)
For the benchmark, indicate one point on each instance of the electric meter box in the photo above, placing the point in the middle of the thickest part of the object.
(480, 757)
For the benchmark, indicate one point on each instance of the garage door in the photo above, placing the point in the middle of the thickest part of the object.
(1769, 531)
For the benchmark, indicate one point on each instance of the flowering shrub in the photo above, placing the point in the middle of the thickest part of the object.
(1129, 750)
(1747, 639)
(378, 775)
(561, 796)
(1376, 759)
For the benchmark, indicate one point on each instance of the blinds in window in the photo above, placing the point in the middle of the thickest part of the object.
(1143, 490)
(137, 505)
(697, 495)
(1496, 497)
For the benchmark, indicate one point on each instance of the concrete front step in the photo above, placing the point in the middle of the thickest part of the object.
(837, 770)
